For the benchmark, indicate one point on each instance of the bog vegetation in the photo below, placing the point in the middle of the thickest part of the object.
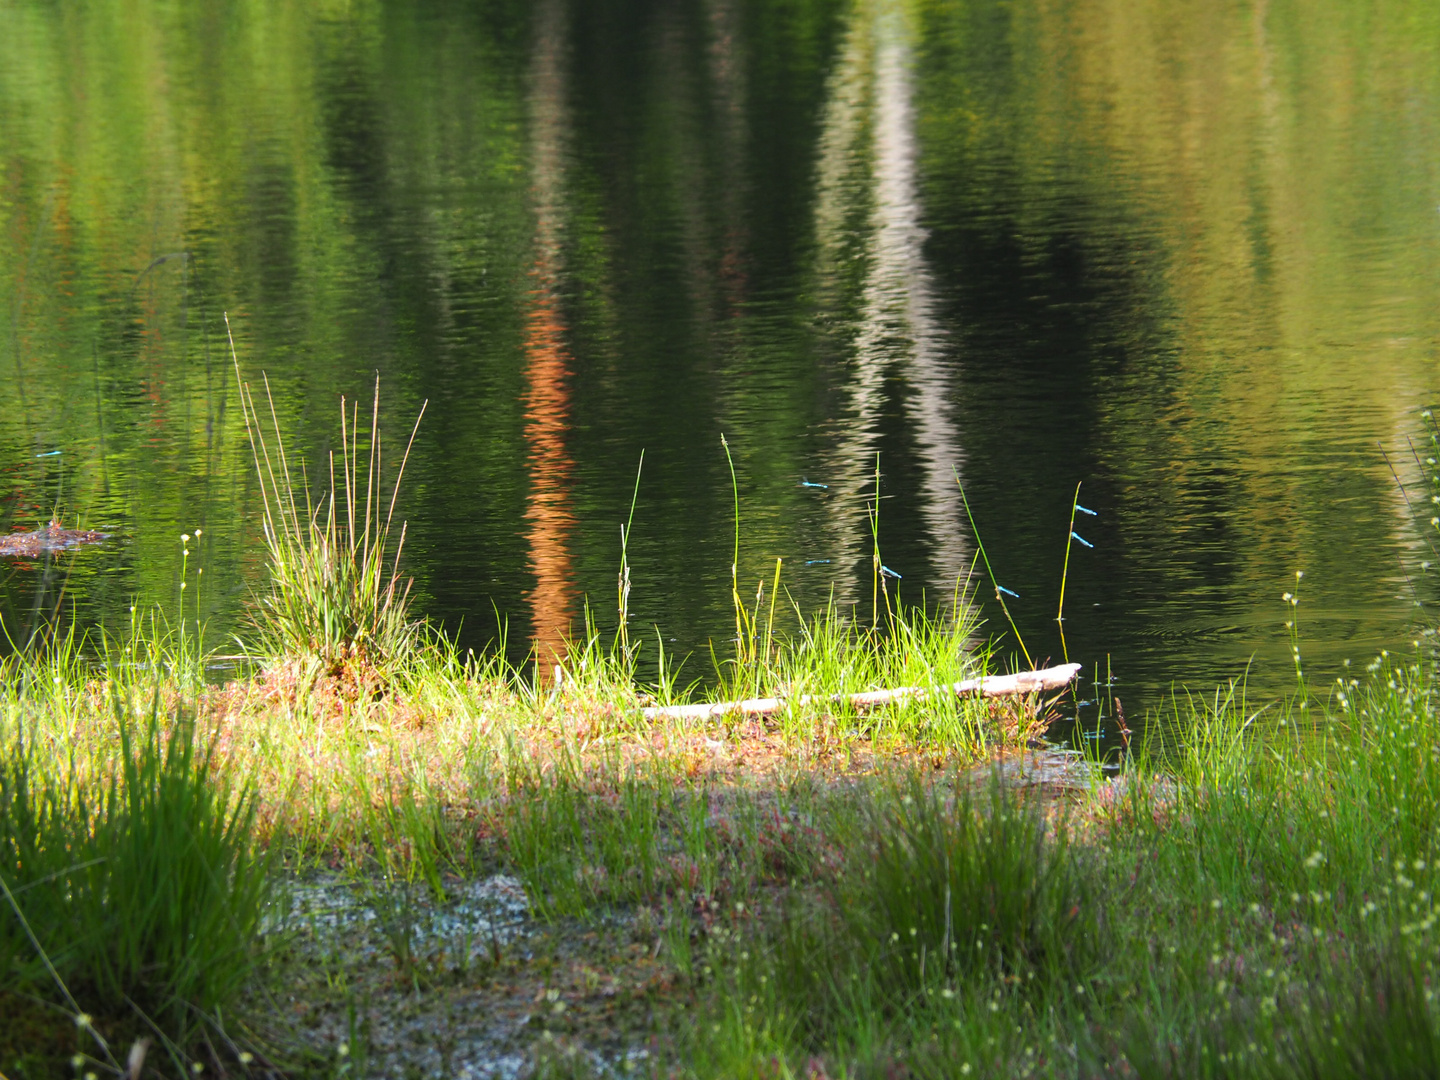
(826, 892)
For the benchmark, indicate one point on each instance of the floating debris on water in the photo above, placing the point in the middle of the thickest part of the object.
(53, 537)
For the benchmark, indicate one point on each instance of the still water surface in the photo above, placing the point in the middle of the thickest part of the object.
(1186, 255)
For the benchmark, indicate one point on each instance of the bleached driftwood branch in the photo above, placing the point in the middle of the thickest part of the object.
(1026, 682)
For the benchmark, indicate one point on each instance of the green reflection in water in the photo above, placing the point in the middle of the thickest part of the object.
(1187, 253)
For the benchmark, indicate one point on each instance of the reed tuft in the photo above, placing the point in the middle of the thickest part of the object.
(337, 608)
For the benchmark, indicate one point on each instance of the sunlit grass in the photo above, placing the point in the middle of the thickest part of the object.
(822, 894)
(337, 606)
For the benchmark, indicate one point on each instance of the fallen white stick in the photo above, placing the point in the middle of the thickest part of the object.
(1026, 682)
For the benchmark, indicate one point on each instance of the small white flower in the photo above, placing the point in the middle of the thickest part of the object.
(184, 538)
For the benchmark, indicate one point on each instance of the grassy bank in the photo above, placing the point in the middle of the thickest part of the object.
(371, 855)
(148, 813)
(821, 893)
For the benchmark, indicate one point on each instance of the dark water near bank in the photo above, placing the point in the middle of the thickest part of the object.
(1186, 255)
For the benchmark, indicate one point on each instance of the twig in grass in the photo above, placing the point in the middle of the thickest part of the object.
(622, 586)
(135, 1061)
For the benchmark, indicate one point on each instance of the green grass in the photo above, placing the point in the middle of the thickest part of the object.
(1265, 909)
(132, 897)
(835, 905)
(337, 607)
(939, 892)
(139, 802)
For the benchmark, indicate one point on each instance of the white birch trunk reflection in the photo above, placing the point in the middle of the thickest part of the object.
(868, 165)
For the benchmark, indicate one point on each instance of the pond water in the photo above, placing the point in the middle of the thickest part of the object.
(1185, 255)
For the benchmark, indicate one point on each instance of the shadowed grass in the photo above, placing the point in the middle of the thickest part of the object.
(133, 895)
